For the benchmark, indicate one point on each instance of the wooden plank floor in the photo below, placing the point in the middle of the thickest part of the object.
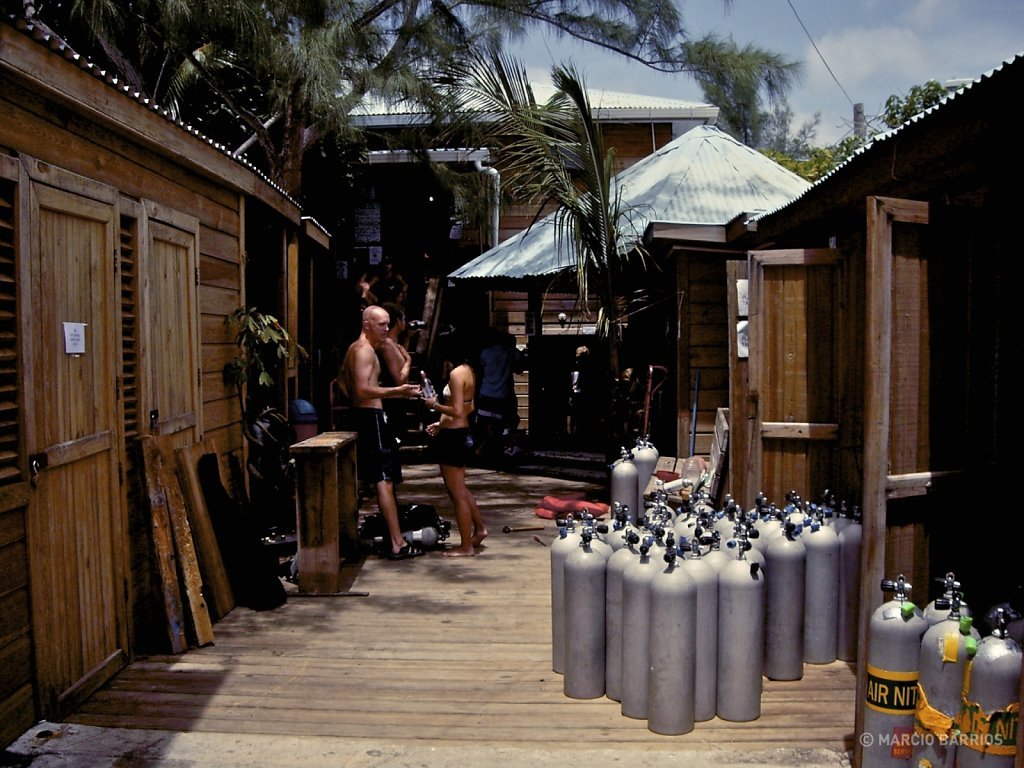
(440, 652)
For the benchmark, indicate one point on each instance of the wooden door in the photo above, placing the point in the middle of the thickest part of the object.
(171, 379)
(795, 300)
(76, 519)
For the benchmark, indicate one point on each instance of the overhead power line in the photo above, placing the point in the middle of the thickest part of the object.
(815, 45)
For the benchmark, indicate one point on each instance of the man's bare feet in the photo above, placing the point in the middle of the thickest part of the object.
(460, 552)
(478, 537)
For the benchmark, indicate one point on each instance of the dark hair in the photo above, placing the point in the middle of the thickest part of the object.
(395, 313)
(451, 344)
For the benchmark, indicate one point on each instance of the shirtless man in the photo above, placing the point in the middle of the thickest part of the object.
(376, 448)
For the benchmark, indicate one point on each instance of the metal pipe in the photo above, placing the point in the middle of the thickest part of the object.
(496, 203)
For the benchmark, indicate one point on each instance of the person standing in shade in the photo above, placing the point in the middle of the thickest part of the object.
(579, 393)
(453, 443)
(376, 448)
(497, 413)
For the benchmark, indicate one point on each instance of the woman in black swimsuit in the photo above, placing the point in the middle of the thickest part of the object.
(453, 444)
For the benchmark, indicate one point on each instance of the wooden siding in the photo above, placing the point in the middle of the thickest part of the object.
(172, 198)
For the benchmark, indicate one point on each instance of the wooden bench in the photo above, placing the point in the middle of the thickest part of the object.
(327, 509)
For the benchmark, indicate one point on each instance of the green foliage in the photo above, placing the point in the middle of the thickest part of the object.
(796, 153)
(741, 82)
(815, 162)
(288, 72)
(263, 345)
(899, 109)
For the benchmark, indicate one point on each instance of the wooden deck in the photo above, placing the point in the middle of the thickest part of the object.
(439, 652)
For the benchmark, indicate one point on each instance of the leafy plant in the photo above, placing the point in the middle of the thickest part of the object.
(264, 345)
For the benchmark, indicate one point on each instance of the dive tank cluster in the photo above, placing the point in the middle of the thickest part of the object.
(936, 693)
(680, 613)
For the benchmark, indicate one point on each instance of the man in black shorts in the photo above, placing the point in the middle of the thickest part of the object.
(376, 448)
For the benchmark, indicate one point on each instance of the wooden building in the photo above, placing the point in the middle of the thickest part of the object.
(125, 241)
(878, 320)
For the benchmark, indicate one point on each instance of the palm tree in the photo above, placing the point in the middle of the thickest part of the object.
(554, 154)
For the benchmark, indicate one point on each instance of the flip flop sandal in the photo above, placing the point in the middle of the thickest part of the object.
(405, 553)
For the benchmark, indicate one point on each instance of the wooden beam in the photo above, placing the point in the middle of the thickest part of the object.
(786, 430)
(915, 484)
(166, 560)
(217, 585)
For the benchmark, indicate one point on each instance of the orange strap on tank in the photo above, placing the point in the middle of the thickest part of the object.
(927, 719)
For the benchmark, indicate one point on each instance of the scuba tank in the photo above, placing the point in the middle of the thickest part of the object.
(564, 544)
(937, 610)
(850, 535)
(946, 648)
(821, 613)
(673, 648)
(740, 638)
(614, 570)
(716, 557)
(645, 457)
(706, 642)
(894, 646)
(766, 523)
(624, 485)
(990, 713)
(636, 624)
(621, 527)
(785, 569)
(584, 579)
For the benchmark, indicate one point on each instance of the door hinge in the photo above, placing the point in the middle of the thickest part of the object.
(197, 276)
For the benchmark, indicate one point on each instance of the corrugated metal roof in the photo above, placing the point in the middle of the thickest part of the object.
(608, 106)
(703, 177)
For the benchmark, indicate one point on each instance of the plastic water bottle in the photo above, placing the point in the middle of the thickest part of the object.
(428, 388)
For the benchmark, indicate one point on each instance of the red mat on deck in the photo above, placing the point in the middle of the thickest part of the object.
(576, 504)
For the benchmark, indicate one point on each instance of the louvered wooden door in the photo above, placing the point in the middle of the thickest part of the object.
(171, 396)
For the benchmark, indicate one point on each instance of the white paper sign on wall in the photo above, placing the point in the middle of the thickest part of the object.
(74, 338)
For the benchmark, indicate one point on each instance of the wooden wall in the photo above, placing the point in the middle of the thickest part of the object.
(176, 197)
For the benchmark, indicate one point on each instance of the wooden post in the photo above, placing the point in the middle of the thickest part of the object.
(327, 509)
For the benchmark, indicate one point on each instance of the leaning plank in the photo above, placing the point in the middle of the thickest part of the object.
(220, 598)
(184, 545)
(167, 568)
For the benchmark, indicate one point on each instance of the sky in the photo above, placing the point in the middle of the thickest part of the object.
(863, 51)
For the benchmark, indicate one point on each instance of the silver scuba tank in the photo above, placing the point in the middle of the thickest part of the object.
(564, 544)
(937, 610)
(850, 535)
(785, 576)
(740, 638)
(673, 643)
(990, 714)
(705, 577)
(614, 570)
(636, 625)
(584, 620)
(821, 611)
(645, 457)
(890, 696)
(946, 648)
(623, 485)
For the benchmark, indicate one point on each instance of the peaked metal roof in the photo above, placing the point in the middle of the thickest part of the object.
(608, 107)
(703, 177)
